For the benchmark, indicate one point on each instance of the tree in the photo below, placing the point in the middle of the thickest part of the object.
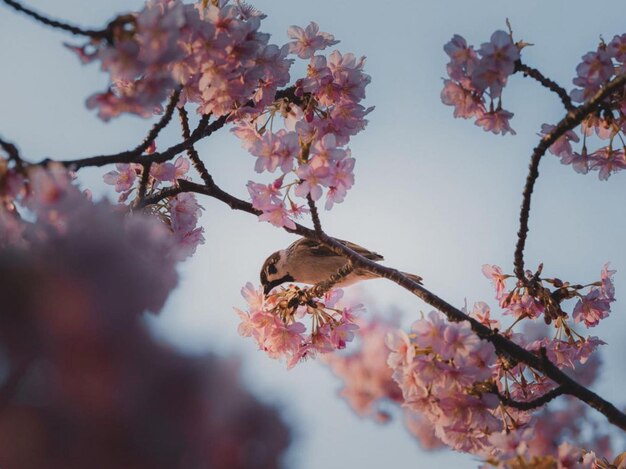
(216, 59)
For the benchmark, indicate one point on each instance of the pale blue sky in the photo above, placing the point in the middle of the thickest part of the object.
(436, 196)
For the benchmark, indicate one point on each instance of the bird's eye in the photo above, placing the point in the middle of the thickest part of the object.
(271, 269)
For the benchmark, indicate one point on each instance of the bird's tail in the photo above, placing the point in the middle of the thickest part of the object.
(415, 278)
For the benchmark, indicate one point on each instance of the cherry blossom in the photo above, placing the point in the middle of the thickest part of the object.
(272, 322)
(307, 41)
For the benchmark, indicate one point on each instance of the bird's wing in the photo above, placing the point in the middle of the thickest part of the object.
(317, 249)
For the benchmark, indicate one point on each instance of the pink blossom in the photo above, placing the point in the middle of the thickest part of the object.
(482, 313)
(50, 187)
(458, 340)
(562, 147)
(307, 41)
(524, 306)
(181, 166)
(326, 149)
(274, 150)
(497, 62)
(264, 196)
(466, 103)
(581, 162)
(123, 179)
(595, 70)
(592, 308)
(607, 287)
(342, 334)
(278, 216)
(341, 179)
(185, 211)
(313, 175)
(463, 59)
(617, 48)
(271, 322)
(496, 122)
(497, 277)
(607, 161)
(188, 241)
(163, 172)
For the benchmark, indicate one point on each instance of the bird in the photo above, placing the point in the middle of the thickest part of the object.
(310, 262)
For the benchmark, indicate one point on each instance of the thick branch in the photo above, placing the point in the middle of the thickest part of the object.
(573, 118)
(546, 82)
(500, 343)
(97, 34)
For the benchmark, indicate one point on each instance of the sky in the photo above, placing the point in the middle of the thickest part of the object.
(434, 195)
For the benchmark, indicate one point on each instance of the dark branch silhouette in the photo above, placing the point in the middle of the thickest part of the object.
(573, 118)
(75, 30)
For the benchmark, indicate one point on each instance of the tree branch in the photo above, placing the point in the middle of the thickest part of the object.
(202, 130)
(573, 118)
(546, 82)
(75, 30)
(315, 216)
(161, 124)
(500, 343)
(191, 151)
(529, 405)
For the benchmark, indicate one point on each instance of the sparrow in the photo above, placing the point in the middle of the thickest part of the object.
(307, 261)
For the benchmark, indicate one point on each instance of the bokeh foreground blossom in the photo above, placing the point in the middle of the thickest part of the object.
(85, 383)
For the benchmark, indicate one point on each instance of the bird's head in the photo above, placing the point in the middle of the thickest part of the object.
(274, 271)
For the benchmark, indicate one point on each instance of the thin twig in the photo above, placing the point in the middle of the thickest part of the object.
(546, 82)
(191, 151)
(77, 31)
(573, 118)
(160, 125)
(315, 216)
(529, 405)
(202, 130)
(143, 185)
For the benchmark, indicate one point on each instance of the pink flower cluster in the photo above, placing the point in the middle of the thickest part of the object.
(368, 384)
(274, 323)
(440, 367)
(598, 67)
(606, 160)
(365, 374)
(180, 212)
(544, 297)
(545, 437)
(213, 50)
(90, 384)
(596, 70)
(443, 376)
(478, 75)
(67, 229)
(324, 114)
